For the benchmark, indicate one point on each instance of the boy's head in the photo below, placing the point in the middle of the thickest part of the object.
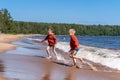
(50, 31)
(72, 31)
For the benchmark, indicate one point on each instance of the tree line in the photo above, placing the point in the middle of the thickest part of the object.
(9, 26)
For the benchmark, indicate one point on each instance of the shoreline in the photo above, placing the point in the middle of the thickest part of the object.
(25, 67)
(6, 39)
(5, 42)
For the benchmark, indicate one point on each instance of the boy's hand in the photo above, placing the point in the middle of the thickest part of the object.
(78, 47)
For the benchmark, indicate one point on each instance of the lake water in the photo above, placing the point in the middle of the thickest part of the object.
(111, 42)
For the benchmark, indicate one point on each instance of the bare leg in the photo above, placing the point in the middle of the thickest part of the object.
(81, 59)
(74, 61)
(54, 51)
(48, 52)
(73, 58)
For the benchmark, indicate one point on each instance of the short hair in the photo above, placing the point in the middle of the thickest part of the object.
(50, 29)
(72, 30)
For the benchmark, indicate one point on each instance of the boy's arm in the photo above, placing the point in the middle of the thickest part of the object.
(44, 39)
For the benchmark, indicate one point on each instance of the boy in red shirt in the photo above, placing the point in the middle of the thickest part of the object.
(74, 45)
(52, 41)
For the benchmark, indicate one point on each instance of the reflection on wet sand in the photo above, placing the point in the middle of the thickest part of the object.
(1, 66)
(68, 77)
(46, 76)
(2, 70)
(2, 78)
(46, 71)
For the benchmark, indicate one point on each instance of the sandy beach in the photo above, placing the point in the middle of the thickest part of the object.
(5, 40)
(15, 66)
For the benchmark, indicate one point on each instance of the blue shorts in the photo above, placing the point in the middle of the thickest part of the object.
(77, 50)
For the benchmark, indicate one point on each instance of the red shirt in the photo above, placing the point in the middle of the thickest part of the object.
(74, 43)
(51, 39)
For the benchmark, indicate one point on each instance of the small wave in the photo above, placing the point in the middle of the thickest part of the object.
(27, 40)
(107, 57)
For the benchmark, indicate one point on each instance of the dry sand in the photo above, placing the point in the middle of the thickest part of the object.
(5, 40)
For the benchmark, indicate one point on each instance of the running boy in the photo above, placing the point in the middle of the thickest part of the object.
(52, 41)
(74, 45)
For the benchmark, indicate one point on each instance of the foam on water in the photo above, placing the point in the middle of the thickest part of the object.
(107, 57)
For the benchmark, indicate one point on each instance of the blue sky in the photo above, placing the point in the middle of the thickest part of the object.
(65, 11)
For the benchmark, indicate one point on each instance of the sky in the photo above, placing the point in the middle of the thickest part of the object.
(65, 11)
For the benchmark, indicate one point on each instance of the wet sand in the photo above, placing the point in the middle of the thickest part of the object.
(18, 67)
(15, 66)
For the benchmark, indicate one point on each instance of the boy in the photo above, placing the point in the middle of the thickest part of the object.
(74, 45)
(52, 41)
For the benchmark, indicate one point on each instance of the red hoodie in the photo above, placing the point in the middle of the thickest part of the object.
(51, 39)
(74, 43)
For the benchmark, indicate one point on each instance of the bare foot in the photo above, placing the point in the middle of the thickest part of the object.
(56, 58)
(77, 67)
(49, 57)
(72, 65)
(94, 69)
